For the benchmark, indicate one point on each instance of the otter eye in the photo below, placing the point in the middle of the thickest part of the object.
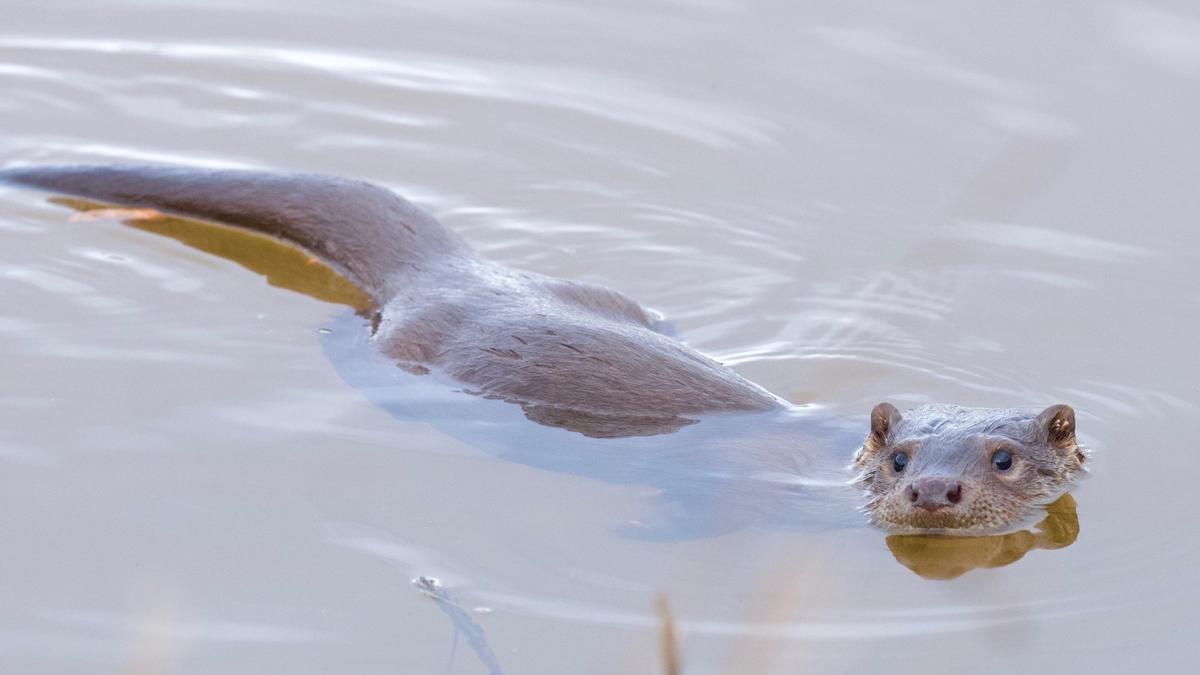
(900, 461)
(1002, 460)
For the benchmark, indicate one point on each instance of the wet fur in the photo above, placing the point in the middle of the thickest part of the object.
(573, 355)
(958, 442)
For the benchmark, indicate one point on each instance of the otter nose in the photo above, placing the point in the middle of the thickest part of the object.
(934, 493)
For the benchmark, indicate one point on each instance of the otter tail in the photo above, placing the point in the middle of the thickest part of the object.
(368, 233)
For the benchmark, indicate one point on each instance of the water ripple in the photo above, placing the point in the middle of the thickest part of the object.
(594, 93)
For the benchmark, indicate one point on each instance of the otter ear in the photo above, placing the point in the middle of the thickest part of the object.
(884, 419)
(1058, 423)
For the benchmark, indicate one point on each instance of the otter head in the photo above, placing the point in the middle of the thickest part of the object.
(965, 470)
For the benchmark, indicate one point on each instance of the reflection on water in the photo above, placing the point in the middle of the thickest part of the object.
(940, 557)
(463, 625)
(284, 266)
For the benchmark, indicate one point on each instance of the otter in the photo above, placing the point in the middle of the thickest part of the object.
(966, 470)
(582, 357)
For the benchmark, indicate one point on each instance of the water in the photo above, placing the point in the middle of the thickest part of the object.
(846, 202)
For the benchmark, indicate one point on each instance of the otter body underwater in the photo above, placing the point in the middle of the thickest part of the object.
(585, 358)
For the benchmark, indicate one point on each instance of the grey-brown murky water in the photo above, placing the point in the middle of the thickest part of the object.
(911, 201)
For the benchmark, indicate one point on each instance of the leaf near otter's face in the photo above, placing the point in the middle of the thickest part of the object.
(962, 470)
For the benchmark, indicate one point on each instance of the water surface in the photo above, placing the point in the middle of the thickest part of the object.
(847, 202)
